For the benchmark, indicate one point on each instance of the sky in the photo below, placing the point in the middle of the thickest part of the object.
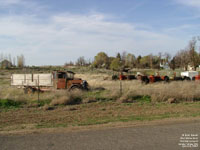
(52, 32)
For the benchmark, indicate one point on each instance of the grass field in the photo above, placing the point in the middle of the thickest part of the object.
(102, 104)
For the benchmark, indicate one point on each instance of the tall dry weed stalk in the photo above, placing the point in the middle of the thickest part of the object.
(67, 98)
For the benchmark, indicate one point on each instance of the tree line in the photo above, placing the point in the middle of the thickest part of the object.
(7, 61)
(190, 56)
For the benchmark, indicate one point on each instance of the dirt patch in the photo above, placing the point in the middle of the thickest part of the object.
(102, 113)
(30, 128)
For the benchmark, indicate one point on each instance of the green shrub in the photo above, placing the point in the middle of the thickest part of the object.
(9, 104)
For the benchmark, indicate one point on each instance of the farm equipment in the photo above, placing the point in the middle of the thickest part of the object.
(123, 77)
(196, 78)
(145, 79)
(50, 81)
(190, 75)
(152, 78)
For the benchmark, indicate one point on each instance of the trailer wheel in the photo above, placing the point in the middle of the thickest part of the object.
(187, 78)
(26, 90)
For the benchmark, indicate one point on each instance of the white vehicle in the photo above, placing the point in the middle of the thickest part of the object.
(189, 74)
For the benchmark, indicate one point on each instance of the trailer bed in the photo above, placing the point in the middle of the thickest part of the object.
(32, 80)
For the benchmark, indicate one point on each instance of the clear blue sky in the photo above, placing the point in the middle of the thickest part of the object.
(51, 32)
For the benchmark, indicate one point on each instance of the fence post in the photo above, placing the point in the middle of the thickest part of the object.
(120, 87)
(38, 89)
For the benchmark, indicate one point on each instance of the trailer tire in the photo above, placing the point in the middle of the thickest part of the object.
(25, 90)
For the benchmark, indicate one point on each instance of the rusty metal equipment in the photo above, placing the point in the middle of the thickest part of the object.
(123, 77)
(152, 78)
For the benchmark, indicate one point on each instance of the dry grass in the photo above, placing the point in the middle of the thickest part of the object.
(103, 88)
(68, 98)
(94, 113)
(159, 92)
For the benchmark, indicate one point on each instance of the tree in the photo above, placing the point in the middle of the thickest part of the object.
(20, 61)
(138, 65)
(101, 60)
(10, 58)
(69, 64)
(182, 59)
(119, 56)
(155, 60)
(144, 62)
(193, 55)
(172, 63)
(167, 57)
(14, 62)
(130, 60)
(81, 61)
(115, 64)
(123, 57)
(150, 58)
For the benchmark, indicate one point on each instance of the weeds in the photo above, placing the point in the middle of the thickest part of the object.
(70, 98)
(104, 89)
(9, 104)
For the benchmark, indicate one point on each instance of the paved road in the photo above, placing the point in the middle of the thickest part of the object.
(151, 137)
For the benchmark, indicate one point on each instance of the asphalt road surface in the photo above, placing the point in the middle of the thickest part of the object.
(148, 137)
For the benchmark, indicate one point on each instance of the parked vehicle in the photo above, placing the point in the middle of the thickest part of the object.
(50, 81)
(123, 77)
(152, 78)
(196, 78)
(189, 75)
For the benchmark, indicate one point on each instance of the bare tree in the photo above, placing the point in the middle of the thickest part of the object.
(167, 57)
(81, 61)
(193, 55)
(182, 59)
(151, 61)
(14, 61)
(69, 64)
(123, 57)
(10, 58)
(20, 61)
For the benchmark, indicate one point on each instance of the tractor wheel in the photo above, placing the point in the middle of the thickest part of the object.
(115, 77)
(145, 80)
(166, 79)
(187, 78)
(75, 88)
(85, 85)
